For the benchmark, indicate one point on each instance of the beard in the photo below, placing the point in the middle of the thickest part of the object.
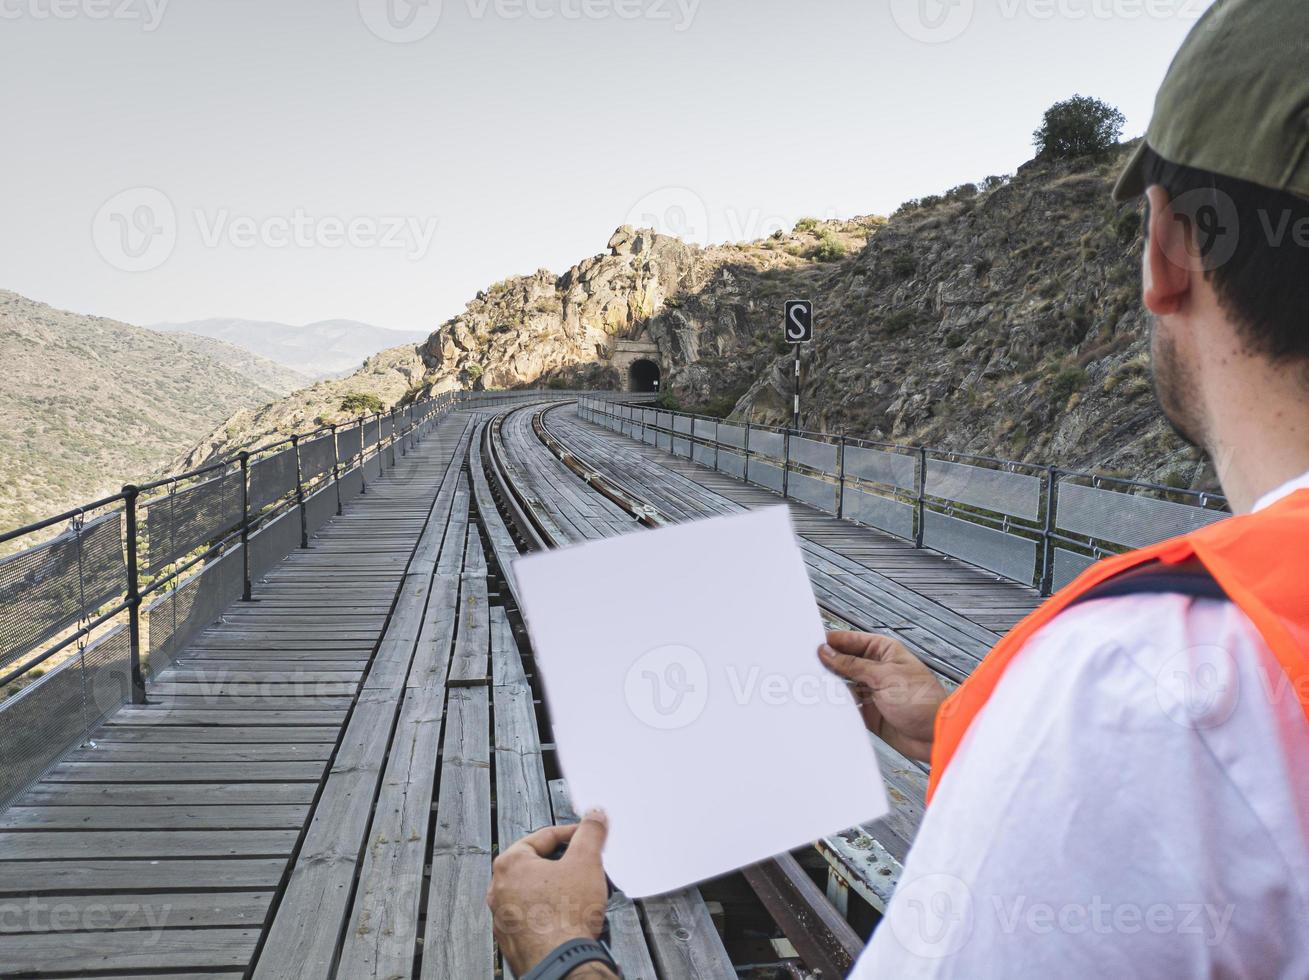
(1175, 387)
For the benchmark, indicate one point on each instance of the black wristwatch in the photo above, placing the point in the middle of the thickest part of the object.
(568, 957)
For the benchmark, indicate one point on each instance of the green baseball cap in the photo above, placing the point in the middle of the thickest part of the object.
(1235, 100)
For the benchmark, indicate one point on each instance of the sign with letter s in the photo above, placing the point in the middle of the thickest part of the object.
(799, 321)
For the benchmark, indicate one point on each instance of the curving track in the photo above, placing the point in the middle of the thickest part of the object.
(571, 481)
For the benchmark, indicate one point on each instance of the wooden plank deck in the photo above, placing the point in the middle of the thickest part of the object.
(159, 846)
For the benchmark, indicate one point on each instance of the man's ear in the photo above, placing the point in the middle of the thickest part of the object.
(1170, 261)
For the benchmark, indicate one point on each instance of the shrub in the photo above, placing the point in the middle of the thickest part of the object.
(1178, 477)
(1127, 225)
(475, 371)
(1078, 127)
(805, 224)
(360, 403)
(899, 322)
(961, 193)
(830, 248)
(1066, 382)
(994, 182)
(903, 265)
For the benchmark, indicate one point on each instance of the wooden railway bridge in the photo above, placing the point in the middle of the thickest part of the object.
(321, 776)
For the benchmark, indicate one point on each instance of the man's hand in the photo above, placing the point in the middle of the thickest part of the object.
(898, 695)
(538, 904)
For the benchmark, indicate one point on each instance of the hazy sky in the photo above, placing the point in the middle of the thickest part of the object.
(306, 159)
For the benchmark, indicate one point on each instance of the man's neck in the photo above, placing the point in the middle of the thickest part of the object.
(1259, 433)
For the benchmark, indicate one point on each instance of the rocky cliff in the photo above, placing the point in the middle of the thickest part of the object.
(1002, 319)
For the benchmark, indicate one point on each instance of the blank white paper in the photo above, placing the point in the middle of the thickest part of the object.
(681, 670)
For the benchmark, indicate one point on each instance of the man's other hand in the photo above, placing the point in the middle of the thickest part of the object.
(538, 904)
(898, 695)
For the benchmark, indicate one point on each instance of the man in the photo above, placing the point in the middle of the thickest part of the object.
(1122, 787)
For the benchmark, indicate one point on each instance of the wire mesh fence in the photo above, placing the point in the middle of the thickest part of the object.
(184, 516)
(47, 589)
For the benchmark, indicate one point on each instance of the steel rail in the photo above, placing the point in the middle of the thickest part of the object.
(517, 510)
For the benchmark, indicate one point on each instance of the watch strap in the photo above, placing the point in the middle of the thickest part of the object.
(568, 957)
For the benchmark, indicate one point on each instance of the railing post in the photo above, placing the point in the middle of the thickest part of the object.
(745, 466)
(1047, 549)
(300, 494)
(716, 444)
(246, 591)
(381, 449)
(840, 477)
(130, 495)
(922, 495)
(336, 470)
(786, 464)
(363, 470)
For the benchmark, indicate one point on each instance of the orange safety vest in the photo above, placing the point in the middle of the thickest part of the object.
(1261, 562)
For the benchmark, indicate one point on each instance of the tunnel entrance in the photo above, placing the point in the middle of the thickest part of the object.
(643, 375)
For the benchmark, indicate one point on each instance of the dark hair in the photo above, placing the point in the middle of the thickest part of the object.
(1263, 284)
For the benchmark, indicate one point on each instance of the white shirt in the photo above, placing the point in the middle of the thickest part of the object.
(1133, 801)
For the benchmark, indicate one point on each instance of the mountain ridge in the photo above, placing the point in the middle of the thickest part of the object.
(318, 350)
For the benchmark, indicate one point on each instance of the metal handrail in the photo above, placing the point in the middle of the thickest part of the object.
(1042, 529)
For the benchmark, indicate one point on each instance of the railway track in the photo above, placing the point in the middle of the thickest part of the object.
(824, 940)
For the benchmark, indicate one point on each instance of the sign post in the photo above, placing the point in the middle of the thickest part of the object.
(798, 326)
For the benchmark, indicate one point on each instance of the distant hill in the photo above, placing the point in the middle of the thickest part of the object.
(90, 404)
(327, 349)
(393, 376)
(263, 372)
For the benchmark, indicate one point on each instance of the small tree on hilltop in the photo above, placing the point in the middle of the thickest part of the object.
(359, 403)
(1078, 127)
